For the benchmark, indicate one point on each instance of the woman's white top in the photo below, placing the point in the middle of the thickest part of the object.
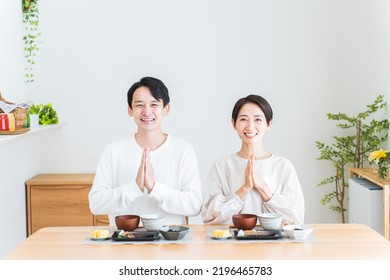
(227, 175)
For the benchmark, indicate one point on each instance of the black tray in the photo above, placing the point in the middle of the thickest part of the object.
(270, 235)
(138, 236)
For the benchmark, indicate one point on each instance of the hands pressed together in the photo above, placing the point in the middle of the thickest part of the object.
(253, 181)
(145, 175)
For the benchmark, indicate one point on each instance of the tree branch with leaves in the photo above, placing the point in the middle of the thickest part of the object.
(351, 150)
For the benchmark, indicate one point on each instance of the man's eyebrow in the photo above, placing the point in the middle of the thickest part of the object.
(153, 101)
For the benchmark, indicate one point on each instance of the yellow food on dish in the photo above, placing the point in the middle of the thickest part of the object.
(221, 233)
(100, 233)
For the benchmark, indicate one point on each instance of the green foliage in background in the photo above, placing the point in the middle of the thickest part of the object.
(34, 109)
(47, 114)
(351, 150)
(31, 36)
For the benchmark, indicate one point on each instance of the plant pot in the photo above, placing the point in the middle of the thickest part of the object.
(34, 120)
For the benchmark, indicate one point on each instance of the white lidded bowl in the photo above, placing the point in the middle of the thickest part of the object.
(153, 222)
(297, 231)
(270, 221)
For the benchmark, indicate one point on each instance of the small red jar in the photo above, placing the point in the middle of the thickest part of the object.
(4, 122)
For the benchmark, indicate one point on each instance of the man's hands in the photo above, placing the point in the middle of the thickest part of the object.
(145, 175)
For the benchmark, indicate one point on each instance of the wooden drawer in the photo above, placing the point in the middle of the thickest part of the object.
(60, 206)
(60, 200)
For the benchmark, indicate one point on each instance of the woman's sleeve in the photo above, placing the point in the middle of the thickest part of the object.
(289, 202)
(219, 202)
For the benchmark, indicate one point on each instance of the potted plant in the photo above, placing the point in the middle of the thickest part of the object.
(34, 114)
(351, 150)
(45, 114)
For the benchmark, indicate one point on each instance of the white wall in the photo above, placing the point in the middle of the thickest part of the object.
(381, 33)
(308, 58)
(20, 160)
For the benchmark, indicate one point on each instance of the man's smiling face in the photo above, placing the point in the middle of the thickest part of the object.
(147, 111)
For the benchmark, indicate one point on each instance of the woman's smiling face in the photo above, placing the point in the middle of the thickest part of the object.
(251, 123)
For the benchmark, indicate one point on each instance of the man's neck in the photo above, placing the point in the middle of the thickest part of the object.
(153, 140)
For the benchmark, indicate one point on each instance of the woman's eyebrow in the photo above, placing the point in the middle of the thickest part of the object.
(255, 116)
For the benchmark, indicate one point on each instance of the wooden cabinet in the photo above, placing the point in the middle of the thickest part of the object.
(60, 200)
(101, 220)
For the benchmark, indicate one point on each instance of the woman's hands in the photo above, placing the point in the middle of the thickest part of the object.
(145, 175)
(253, 181)
(248, 183)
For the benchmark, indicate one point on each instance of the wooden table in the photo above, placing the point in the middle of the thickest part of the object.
(330, 241)
(368, 174)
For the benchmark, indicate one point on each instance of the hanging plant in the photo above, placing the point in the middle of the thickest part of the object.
(31, 36)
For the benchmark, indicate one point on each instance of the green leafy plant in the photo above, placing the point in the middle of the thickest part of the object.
(351, 150)
(31, 38)
(34, 109)
(47, 114)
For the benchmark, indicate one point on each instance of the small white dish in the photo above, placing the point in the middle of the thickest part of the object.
(99, 238)
(298, 232)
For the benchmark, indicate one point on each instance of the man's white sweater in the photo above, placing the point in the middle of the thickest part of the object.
(177, 192)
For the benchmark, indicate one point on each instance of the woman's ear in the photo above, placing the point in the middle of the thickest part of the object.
(269, 124)
(233, 124)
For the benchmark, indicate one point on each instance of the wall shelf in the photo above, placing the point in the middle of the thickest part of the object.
(33, 130)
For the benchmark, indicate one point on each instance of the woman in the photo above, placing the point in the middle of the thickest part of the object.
(252, 180)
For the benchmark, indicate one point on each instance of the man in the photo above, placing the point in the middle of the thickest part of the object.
(152, 172)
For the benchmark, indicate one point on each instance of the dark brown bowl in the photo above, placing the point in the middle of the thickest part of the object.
(127, 222)
(244, 221)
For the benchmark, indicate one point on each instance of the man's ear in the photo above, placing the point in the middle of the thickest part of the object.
(166, 109)
(130, 111)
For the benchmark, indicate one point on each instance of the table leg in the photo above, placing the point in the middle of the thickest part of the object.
(386, 211)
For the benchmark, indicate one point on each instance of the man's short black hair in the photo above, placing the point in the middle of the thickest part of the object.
(157, 88)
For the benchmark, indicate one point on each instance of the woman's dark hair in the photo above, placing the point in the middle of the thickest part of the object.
(256, 99)
(157, 88)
